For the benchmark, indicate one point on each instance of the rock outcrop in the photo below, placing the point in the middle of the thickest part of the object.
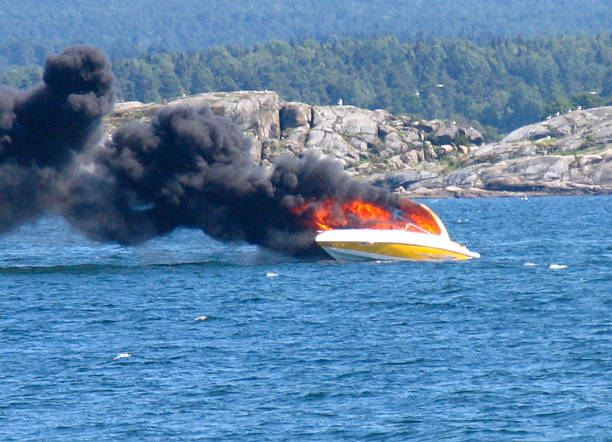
(570, 153)
(365, 141)
(567, 154)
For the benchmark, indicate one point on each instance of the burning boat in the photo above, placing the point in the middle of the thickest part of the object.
(383, 244)
(361, 231)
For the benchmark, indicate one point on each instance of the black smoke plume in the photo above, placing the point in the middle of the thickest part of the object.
(192, 168)
(42, 129)
(188, 167)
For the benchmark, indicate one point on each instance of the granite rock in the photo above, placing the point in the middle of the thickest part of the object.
(570, 153)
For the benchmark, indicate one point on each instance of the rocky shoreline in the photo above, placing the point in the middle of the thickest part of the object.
(569, 154)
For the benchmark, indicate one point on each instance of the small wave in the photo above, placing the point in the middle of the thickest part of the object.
(315, 395)
(405, 362)
(107, 267)
(122, 356)
(557, 266)
(75, 268)
(203, 263)
(530, 264)
(201, 318)
(271, 275)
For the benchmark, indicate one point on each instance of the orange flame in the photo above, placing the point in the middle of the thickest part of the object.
(330, 214)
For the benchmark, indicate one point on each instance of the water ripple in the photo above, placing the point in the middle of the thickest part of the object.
(185, 338)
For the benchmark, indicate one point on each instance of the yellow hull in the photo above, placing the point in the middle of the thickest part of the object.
(391, 251)
(356, 244)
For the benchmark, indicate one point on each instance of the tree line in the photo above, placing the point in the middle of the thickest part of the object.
(33, 28)
(500, 83)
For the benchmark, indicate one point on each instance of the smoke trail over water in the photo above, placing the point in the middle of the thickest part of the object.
(192, 168)
(188, 167)
(43, 128)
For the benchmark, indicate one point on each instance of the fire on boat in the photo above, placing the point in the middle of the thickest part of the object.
(361, 231)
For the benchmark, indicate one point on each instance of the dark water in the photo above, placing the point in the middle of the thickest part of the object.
(101, 341)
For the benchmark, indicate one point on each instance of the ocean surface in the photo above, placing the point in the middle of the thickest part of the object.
(188, 338)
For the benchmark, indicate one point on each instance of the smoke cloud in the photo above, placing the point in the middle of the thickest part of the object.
(192, 168)
(188, 167)
(42, 129)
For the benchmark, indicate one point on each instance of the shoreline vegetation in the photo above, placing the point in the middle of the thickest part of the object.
(495, 84)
